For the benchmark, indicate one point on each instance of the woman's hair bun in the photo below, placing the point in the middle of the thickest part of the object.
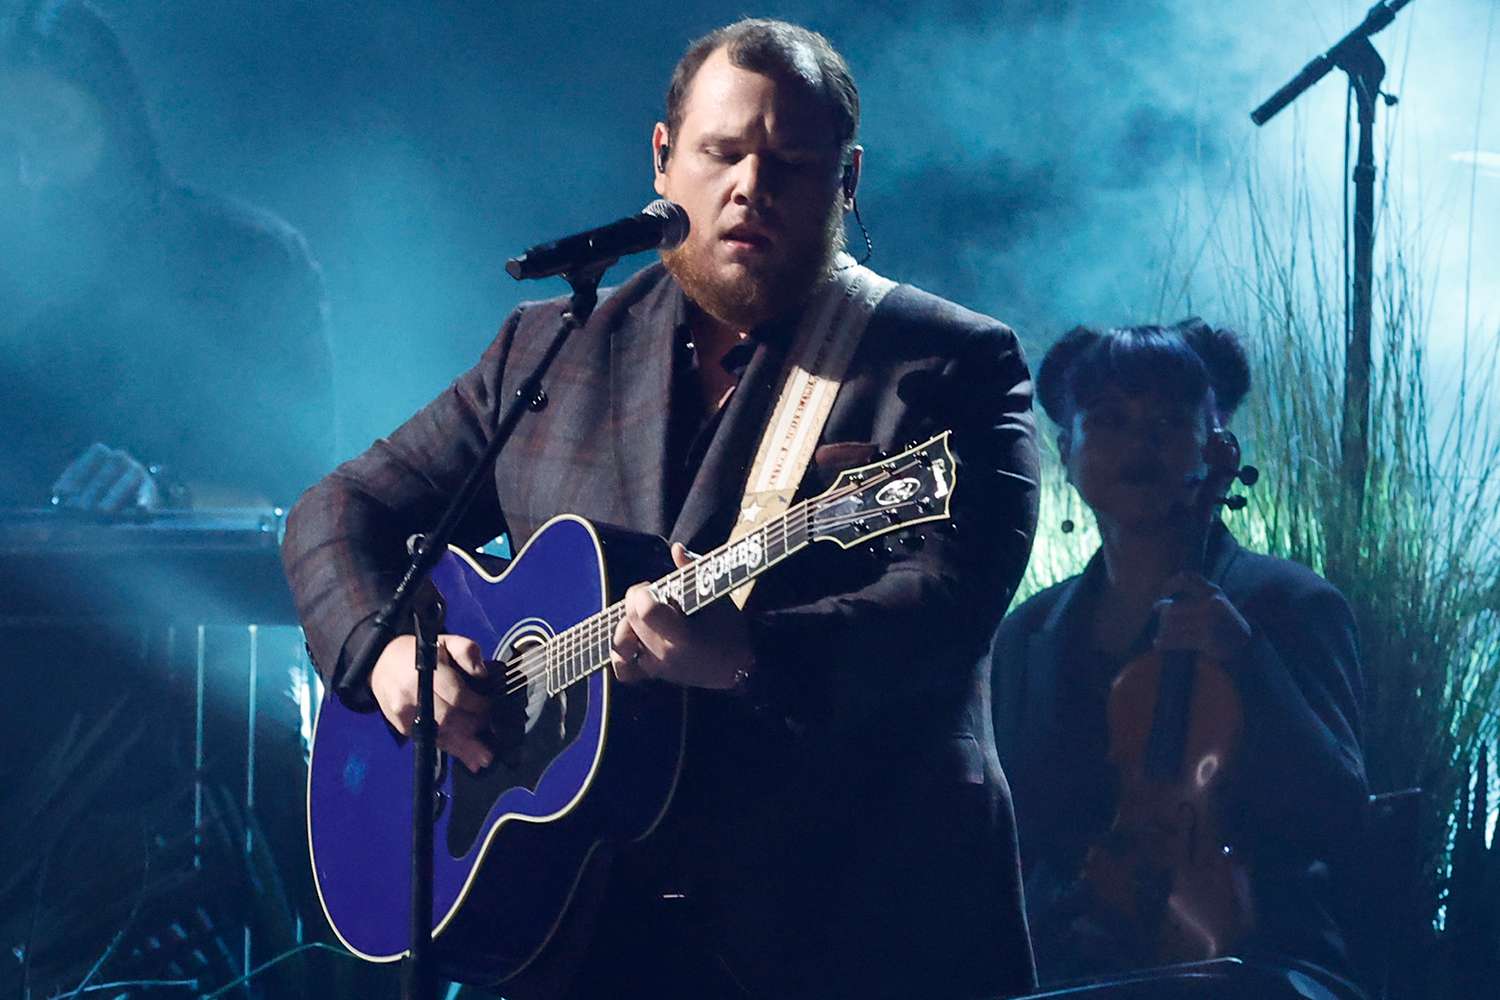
(1224, 357)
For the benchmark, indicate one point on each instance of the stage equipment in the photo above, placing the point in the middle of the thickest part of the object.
(1356, 57)
(185, 616)
(404, 609)
(660, 225)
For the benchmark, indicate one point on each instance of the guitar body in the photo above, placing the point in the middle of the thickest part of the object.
(521, 850)
(512, 845)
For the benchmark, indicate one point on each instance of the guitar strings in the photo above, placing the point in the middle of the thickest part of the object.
(594, 630)
(598, 628)
(596, 633)
(536, 662)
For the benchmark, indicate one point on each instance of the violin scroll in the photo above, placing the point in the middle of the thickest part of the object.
(1221, 453)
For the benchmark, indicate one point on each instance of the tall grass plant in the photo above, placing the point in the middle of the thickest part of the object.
(1418, 557)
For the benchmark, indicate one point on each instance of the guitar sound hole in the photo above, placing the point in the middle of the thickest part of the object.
(530, 728)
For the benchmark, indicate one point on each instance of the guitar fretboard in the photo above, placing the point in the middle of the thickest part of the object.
(579, 651)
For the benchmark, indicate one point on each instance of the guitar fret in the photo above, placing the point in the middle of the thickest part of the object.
(586, 643)
(572, 654)
(579, 651)
(602, 635)
(572, 659)
(609, 619)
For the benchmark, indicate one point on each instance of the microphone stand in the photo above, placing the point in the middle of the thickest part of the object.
(1358, 59)
(420, 981)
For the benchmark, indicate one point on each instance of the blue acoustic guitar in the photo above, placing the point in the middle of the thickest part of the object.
(586, 761)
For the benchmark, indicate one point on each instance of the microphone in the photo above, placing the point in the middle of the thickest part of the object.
(662, 224)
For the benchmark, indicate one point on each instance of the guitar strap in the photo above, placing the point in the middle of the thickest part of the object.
(830, 330)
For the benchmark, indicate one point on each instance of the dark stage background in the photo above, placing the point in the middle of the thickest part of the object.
(1047, 161)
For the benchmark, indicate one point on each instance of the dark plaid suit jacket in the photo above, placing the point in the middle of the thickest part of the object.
(861, 824)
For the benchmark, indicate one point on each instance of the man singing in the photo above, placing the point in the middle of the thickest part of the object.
(841, 826)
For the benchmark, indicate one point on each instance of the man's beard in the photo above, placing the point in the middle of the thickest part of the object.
(759, 294)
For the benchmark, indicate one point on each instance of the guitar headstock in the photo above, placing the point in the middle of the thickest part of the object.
(913, 487)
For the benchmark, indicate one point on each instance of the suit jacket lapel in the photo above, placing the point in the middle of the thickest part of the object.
(640, 389)
(720, 480)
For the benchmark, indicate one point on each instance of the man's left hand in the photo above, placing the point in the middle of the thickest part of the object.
(655, 639)
(1198, 617)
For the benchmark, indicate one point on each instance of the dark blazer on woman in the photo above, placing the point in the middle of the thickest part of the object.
(1297, 791)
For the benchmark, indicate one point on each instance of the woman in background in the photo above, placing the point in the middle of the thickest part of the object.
(1135, 408)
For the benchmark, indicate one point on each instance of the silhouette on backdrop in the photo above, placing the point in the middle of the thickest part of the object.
(145, 325)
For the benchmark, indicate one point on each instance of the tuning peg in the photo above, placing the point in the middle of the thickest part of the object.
(1249, 475)
(913, 540)
(948, 528)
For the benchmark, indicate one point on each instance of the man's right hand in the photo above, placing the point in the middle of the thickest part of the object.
(462, 713)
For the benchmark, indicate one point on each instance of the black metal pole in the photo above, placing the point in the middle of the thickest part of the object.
(420, 974)
(1366, 70)
(421, 980)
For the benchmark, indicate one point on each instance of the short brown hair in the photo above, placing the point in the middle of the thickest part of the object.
(779, 49)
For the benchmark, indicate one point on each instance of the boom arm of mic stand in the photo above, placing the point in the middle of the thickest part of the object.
(1376, 19)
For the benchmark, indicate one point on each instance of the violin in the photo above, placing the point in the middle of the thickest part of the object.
(1165, 869)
